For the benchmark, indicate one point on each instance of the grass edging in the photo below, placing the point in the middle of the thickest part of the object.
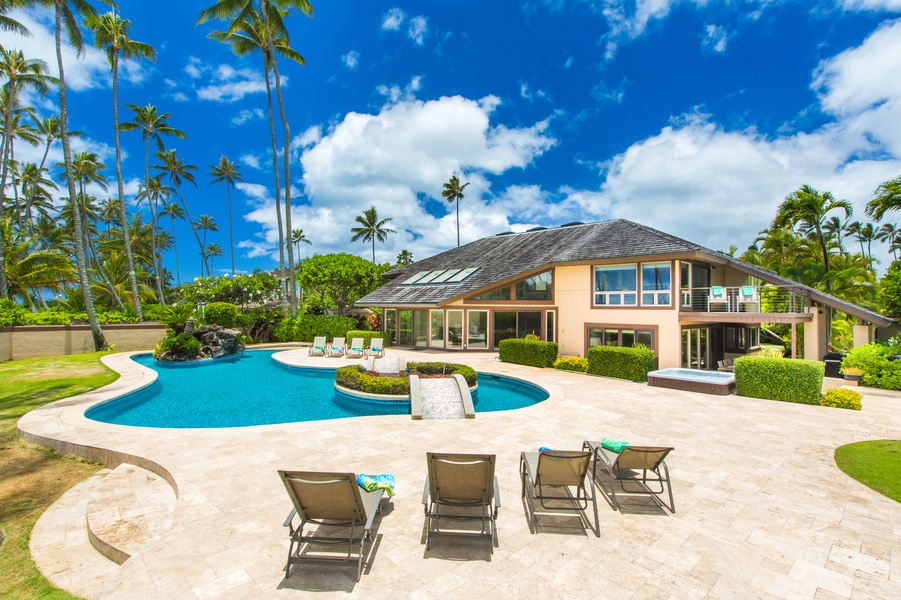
(874, 463)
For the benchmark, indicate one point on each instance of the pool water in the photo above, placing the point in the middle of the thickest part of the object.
(254, 389)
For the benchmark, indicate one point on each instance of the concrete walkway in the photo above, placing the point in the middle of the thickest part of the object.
(762, 510)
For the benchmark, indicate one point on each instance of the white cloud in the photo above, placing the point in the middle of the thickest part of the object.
(195, 68)
(715, 38)
(395, 93)
(871, 4)
(419, 28)
(393, 19)
(527, 94)
(247, 115)
(351, 59)
(251, 160)
(230, 84)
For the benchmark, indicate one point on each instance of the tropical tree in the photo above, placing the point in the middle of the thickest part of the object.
(888, 197)
(212, 251)
(371, 228)
(889, 233)
(173, 211)
(339, 280)
(154, 191)
(404, 258)
(20, 73)
(31, 268)
(205, 223)
(453, 192)
(297, 238)
(227, 171)
(8, 23)
(178, 172)
(111, 32)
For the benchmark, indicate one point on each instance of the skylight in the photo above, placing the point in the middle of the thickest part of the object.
(437, 276)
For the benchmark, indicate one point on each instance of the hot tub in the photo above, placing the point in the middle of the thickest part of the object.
(693, 380)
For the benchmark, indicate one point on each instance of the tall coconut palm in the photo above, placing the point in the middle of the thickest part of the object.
(8, 23)
(453, 192)
(372, 229)
(20, 73)
(212, 251)
(153, 125)
(888, 233)
(205, 223)
(298, 237)
(155, 192)
(32, 268)
(173, 211)
(888, 197)
(36, 191)
(49, 129)
(111, 32)
(178, 171)
(227, 171)
(404, 258)
(64, 17)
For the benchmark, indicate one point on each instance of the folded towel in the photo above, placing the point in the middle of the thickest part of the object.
(379, 350)
(544, 449)
(338, 348)
(357, 349)
(613, 445)
(320, 348)
(377, 482)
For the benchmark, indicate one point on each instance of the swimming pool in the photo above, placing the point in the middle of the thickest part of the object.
(254, 389)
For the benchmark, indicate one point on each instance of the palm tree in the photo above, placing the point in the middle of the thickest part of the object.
(36, 190)
(404, 258)
(453, 191)
(65, 17)
(8, 23)
(888, 233)
(154, 192)
(111, 33)
(49, 129)
(173, 211)
(888, 197)
(205, 223)
(372, 229)
(298, 237)
(21, 73)
(30, 267)
(152, 126)
(227, 171)
(213, 250)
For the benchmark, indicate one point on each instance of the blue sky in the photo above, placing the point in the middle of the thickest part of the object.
(696, 117)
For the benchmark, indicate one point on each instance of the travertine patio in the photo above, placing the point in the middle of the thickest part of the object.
(762, 510)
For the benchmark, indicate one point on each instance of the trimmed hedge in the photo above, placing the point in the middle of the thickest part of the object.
(441, 368)
(632, 364)
(355, 378)
(305, 328)
(533, 353)
(367, 337)
(572, 364)
(783, 379)
(841, 398)
(221, 313)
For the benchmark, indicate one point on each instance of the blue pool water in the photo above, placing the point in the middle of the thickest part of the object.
(256, 390)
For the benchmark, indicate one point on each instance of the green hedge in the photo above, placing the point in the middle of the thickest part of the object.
(533, 353)
(436, 368)
(632, 364)
(221, 313)
(367, 337)
(572, 364)
(304, 328)
(13, 315)
(783, 379)
(878, 370)
(355, 378)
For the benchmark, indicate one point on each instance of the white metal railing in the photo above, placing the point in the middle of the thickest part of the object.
(746, 298)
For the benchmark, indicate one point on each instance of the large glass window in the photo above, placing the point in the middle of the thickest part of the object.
(740, 339)
(619, 336)
(420, 328)
(656, 284)
(616, 285)
(504, 326)
(477, 332)
(528, 321)
(390, 324)
(550, 326)
(499, 294)
(405, 328)
(455, 329)
(436, 339)
(538, 287)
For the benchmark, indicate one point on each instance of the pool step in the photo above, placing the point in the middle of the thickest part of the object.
(440, 398)
(129, 507)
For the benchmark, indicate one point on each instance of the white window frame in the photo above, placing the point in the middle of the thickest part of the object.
(619, 295)
(657, 295)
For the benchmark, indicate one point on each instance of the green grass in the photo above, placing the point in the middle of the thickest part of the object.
(32, 477)
(875, 464)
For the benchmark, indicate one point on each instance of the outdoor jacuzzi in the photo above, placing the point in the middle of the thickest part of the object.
(694, 380)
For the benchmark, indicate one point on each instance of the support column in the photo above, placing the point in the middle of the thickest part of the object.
(816, 341)
(863, 334)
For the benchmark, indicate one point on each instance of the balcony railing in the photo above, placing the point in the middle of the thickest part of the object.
(749, 299)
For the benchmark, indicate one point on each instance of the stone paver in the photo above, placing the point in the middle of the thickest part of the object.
(762, 510)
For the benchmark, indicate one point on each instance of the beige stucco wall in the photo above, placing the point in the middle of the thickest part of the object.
(816, 334)
(58, 340)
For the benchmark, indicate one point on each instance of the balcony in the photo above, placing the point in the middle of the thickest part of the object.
(766, 303)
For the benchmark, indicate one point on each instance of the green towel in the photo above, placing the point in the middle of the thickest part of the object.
(320, 348)
(613, 445)
(356, 349)
(371, 483)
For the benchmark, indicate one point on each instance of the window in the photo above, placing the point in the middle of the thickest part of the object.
(740, 339)
(436, 339)
(390, 324)
(477, 335)
(550, 332)
(504, 326)
(455, 329)
(655, 284)
(616, 285)
(537, 287)
(620, 336)
(499, 294)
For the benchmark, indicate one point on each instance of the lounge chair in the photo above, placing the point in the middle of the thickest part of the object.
(355, 350)
(333, 501)
(551, 477)
(726, 366)
(376, 348)
(461, 487)
(748, 300)
(620, 468)
(318, 347)
(336, 348)
(717, 301)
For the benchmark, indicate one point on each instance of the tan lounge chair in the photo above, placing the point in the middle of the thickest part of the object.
(355, 350)
(559, 481)
(620, 468)
(461, 487)
(333, 501)
(336, 348)
(376, 348)
(318, 347)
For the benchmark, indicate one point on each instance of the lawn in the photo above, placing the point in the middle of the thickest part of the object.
(875, 464)
(32, 477)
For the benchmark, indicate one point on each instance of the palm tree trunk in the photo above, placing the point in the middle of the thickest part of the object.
(373, 249)
(151, 203)
(194, 229)
(34, 189)
(231, 230)
(292, 286)
(96, 331)
(123, 214)
(458, 222)
(7, 137)
(283, 292)
(175, 249)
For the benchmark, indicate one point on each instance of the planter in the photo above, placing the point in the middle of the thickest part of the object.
(854, 378)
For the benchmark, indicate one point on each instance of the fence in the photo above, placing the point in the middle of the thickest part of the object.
(57, 340)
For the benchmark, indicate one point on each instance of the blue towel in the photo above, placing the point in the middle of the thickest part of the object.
(544, 449)
(377, 482)
(613, 445)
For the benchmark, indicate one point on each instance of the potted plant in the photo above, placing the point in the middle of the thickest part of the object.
(852, 373)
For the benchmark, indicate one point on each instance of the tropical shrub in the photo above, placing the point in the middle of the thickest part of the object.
(878, 370)
(441, 368)
(841, 398)
(221, 313)
(571, 363)
(304, 328)
(175, 316)
(632, 364)
(181, 344)
(534, 353)
(240, 290)
(786, 380)
(355, 378)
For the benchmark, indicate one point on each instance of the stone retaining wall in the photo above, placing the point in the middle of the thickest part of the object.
(35, 341)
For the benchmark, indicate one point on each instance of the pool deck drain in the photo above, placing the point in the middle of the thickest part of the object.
(762, 509)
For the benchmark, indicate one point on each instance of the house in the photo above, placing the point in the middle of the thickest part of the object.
(612, 283)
